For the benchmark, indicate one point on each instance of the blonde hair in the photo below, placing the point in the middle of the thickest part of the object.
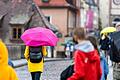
(80, 33)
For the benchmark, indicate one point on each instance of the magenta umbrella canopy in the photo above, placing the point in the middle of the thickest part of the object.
(39, 37)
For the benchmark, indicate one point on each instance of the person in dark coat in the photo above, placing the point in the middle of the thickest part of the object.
(104, 42)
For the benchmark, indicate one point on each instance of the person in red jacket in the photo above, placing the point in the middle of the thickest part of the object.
(86, 59)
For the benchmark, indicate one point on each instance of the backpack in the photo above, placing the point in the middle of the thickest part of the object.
(115, 47)
(67, 72)
(36, 54)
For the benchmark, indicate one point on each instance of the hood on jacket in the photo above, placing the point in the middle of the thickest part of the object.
(87, 48)
(3, 54)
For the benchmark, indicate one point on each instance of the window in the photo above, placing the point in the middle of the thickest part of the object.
(48, 18)
(70, 1)
(45, 1)
(16, 33)
(90, 2)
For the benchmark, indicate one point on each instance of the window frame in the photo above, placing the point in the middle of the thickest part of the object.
(49, 17)
(17, 34)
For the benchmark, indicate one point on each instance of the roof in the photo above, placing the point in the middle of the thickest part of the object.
(20, 12)
(3, 8)
(19, 19)
(54, 3)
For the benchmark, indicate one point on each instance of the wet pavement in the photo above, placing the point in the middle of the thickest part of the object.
(51, 72)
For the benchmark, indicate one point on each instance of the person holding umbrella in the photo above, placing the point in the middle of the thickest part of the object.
(35, 68)
(35, 40)
(105, 40)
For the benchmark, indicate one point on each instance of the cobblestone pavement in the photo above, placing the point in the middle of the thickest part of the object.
(110, 76)
(51, 72)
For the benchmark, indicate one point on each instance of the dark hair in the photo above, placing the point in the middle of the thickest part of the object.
(80, 33)
(94, 41)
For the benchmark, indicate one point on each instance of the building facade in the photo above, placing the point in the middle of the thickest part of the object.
(89, 14)
(114, 12)
(61, 13)
(104, 12)
(109, 12)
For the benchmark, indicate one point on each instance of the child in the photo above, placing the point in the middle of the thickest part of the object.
(103, 60)
(6, 71)
(86, 59)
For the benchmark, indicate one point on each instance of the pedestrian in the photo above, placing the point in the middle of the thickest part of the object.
(116, 66)
(67, 49)
(35, 67)
(105, 42)
(10, 63)
(86, 59)
(117, 26)
(71, 51)
(6, 71)
(103, 60)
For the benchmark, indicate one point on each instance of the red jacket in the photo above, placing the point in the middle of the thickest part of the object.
(86, 66)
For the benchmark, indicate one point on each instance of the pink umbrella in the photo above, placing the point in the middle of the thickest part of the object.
(39, 37)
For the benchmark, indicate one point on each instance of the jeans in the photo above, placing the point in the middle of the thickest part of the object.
(36, 75)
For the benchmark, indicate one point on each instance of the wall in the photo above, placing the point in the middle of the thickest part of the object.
(114, 12)
(115, 9)
(83, 17)
(16, 51)
(58, 18)
(71, 21)
(64, 19)
(78, 13)
(104, 12)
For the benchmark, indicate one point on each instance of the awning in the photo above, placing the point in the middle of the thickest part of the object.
(19, 19)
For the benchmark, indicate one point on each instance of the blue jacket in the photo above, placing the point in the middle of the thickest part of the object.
(104, 66)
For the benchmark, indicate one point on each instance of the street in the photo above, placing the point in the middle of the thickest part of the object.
(52, 70)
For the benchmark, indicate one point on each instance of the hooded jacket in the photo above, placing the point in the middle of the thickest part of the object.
(6, 71)
(86, 63)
